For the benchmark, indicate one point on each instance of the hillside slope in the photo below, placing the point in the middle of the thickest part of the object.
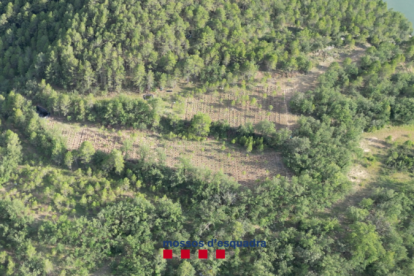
(143, 44)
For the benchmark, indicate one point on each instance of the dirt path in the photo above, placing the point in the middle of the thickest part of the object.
(305, 82)
(286, 109)
(365, 174)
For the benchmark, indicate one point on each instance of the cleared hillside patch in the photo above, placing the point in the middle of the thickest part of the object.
(266, 100)
(210, 154)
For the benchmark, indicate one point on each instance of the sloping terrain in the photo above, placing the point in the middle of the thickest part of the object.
(232, 160)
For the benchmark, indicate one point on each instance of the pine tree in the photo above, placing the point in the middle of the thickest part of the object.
(249, 147)
(150, 80)
(57, 151)
(85, 152)
(271, 61)
(10, 154)
(64, 104)
(138, 76)
(88, 76)
(162, 81)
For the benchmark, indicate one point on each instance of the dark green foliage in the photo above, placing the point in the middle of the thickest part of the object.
(143, 45)
(220, 129)
(265, 134)
(403, 110)
(114, 161)
(85, 152)
(401, 157)
(372, 95)
(250, 142)
(121, 110)
(10, 154)
(199, 126)
(318, 146)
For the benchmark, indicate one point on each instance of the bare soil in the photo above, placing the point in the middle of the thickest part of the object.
(365, 174)
(210, 154)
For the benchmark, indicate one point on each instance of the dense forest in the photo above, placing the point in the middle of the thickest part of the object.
(82, 44)
(83, 211)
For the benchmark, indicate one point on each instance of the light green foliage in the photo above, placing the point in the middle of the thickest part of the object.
(249, 147)
(85, 152)
(253, 101)
(200, 125)
(265, 128)
(179, 106)
(10, 154)
(357, 214)
(366, 242)
(116, 161)
(127, 146)
(186, 269)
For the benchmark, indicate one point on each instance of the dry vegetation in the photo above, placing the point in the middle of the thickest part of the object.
(366, 173)
(210, 154)
(374, 145)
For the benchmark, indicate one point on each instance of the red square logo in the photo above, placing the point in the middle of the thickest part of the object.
(203, 254)
(167, 254)
(185, 253)
(220, 254)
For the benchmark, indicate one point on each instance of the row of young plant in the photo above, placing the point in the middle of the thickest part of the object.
(142, 114)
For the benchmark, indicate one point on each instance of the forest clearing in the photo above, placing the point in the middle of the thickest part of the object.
(267, 100)
(270, 103)
(210, 154)
(376, 146)
(371, 172)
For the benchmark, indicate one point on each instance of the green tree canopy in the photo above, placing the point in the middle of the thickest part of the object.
(200, 125)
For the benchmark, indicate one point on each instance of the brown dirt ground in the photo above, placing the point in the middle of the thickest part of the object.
(245, 168)
(365, 174)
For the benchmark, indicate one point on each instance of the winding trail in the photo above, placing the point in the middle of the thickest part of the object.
(300, 83)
